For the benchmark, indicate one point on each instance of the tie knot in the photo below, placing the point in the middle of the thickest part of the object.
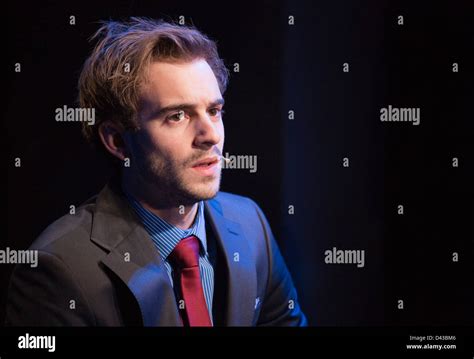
(186, 253)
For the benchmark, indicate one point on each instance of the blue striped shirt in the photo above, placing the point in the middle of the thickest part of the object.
(166, 236)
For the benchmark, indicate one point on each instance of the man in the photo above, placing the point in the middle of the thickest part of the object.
(159, 245)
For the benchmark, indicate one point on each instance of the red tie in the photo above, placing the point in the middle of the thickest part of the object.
(185, 257)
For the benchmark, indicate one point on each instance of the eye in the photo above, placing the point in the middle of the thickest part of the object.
(216, 111)
(177, 117)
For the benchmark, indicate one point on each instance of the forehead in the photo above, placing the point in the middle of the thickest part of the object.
(171, 82)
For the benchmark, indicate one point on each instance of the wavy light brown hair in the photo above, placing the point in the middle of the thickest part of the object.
(106, 85)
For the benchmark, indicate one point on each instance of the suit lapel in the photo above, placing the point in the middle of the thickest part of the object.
(241, 275)
(134, 259)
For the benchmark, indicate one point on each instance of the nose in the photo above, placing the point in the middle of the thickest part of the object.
(208, 131)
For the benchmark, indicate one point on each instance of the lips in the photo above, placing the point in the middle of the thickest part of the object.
(208, 161)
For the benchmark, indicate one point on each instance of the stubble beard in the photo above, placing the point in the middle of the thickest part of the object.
(166, 184)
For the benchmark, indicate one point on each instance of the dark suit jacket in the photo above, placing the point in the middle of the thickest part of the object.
(99, 267)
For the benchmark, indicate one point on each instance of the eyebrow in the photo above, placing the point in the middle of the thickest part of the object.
(182, 106)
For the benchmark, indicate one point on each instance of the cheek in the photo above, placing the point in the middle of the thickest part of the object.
(147, 144)
(147, 141)
(221, 131)
(169, 145)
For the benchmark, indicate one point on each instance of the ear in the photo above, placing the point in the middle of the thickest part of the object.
(112, 138)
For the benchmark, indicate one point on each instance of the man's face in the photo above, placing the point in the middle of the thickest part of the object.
(180, 120)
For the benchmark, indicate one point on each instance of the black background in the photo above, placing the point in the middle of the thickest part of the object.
(284, 68)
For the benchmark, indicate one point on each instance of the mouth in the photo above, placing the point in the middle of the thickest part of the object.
(206, 166)
(209, 161)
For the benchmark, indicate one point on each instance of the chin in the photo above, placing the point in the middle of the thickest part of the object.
(205, 192)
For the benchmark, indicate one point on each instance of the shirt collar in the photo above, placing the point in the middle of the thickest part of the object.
(165, 235)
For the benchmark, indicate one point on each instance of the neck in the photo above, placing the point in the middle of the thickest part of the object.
(181, 216)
